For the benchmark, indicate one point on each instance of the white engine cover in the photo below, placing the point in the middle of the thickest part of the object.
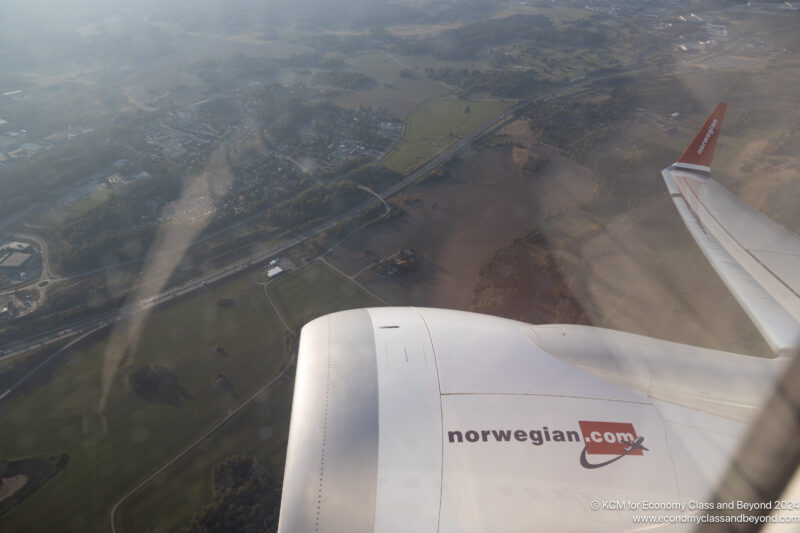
(430, 420)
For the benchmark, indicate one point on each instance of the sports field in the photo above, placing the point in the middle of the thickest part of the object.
(438, 123)
(111, 451)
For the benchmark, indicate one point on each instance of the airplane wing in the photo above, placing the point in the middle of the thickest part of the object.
(758, 260)
(429, 420)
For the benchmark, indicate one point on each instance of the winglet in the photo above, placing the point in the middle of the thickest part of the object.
(698, 155)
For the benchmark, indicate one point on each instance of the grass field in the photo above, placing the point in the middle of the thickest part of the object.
(438, 123)
(53, 216)
(396, 93)
(112, 451)
(317, 290)
(168, 503)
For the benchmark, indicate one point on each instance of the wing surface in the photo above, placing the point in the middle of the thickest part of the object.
(758, 259)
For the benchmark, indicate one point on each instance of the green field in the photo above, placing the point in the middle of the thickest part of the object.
(168, 503)
(111, 451)
(317, 290)
(399, 94)
(438, 123)
(52, 217)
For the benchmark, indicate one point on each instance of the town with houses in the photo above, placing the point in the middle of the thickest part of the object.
(178, 137)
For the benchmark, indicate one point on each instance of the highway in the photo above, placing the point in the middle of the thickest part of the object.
(83, 326)
(109, 317)
(426, 167)
(19, 347)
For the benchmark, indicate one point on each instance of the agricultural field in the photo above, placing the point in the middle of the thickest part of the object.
(228, 330)
(559, 15)
(260, 429)
(317, 290)
(400, 81)
(168, 502)
(88, 197)
(436, 124)
(624, 259)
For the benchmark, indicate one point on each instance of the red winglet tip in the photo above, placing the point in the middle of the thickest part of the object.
(701, 151)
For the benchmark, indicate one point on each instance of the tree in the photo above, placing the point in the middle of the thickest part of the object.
(245, 499)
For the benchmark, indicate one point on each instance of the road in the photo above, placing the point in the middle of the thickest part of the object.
(437, 160)
(82, 328)
(354, 280)
(44, 363)
(179, 249)
(17, 348)
(193, 445)
(46, 275)
(278, 313)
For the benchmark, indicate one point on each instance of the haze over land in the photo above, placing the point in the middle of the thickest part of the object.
(184, 184)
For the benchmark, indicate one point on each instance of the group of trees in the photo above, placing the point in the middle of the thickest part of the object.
(225, 386)
(222, 73)
(346, 79)
(523, 281)
(576, 126)
(122, 227)
(404, 261)
(26, 182)
(238, 68)
(469, 40)
(475, 37)
(316, 204)
(245, 499)
(631, 177)
(157, 384)
(335, 233)
(508, 83)
(375, 176)
(37, 470)
(482, 38)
